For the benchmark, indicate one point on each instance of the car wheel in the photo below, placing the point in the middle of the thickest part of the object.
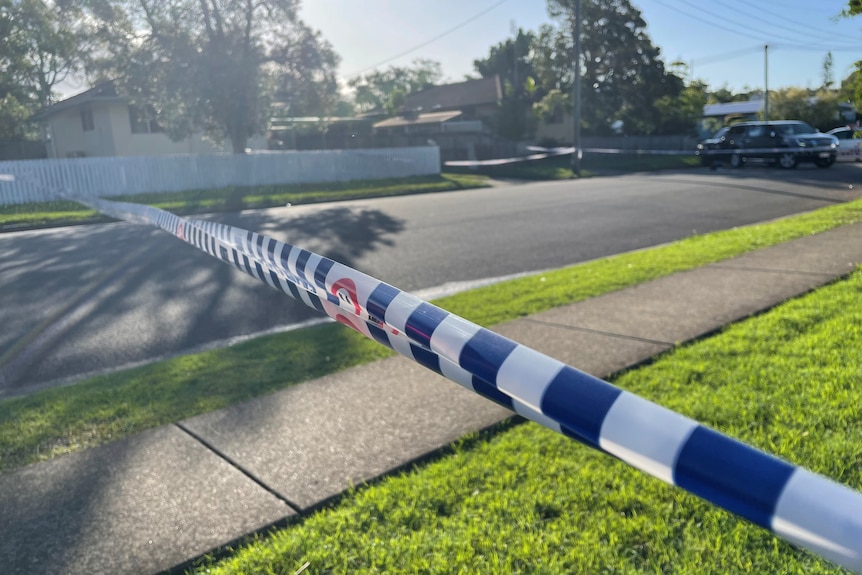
(736, 161)
(787, 160)
(824, 162)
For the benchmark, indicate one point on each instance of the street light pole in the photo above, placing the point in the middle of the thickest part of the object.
(576, 95)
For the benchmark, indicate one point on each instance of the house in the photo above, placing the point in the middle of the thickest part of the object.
(427, 125)
(475, 99)
(556, 130)
(100, 122)
(455, 117)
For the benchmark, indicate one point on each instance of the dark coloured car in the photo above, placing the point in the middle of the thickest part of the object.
(785, 142)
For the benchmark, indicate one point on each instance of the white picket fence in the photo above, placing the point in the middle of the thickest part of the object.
(41, 180)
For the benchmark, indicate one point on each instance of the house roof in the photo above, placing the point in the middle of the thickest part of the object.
(431, 118)
(104, 92)
(748, 107)
(457, 96)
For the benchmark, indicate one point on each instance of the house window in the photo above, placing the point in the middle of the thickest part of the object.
(143, 121)
(87, 120)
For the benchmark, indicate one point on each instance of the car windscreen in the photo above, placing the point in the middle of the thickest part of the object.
(794, 128)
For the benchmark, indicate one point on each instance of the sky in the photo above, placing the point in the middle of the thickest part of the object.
(722, 41)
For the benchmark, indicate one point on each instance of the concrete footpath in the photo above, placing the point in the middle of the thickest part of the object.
(161, 498)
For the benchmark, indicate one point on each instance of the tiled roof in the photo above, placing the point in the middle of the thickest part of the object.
(432, 118)
(457, 96)
(104, 92)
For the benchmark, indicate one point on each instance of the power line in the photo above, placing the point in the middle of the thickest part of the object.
(728, 55)
(810, 48)
(430, 41)
(710, 22)
(746, 26)
(807, 31)
(762, 37)
(806, 27)
(794, 45)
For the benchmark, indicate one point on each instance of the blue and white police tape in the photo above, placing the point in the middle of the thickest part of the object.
(798, 505)
(543, 153)
(719, 153)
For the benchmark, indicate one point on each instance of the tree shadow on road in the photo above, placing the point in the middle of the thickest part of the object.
(170, 297)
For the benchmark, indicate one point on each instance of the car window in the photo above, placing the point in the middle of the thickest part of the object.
(842, 134)
(755, 132)
(735, 130)
(798, 128)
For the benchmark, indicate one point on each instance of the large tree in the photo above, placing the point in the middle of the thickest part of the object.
(511, 61)
(41, 43)
(385, 90)
(214, 65)
(622, 72)
(854, 8)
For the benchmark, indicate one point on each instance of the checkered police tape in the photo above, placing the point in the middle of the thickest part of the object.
(798, 505)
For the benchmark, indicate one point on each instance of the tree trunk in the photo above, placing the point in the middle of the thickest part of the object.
(238, 142)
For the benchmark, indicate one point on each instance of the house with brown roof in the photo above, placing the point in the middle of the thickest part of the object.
(475, 99)
(453, 116)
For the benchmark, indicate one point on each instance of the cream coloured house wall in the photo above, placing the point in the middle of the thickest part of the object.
(69, 139)
(561, 132)
(128, 143)
(112, 136)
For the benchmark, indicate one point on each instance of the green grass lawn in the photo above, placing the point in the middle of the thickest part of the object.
(236, 198)
(108, 407)
(529, 500)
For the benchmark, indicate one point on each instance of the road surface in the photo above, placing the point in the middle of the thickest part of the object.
(85, 299)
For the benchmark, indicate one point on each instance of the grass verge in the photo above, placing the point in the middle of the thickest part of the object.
(108, 407)
(530, 500)
(560, 167)
(236, 198)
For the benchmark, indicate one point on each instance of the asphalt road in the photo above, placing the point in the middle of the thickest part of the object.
(84, 299)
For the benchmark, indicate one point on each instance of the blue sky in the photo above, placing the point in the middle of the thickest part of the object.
(721, 39)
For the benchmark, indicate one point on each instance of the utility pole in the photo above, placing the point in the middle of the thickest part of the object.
(516, 83)
(766, 82)
(576, 94)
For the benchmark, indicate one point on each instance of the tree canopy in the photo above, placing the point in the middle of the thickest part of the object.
(511, 60)
(40, 45)
(213, 65)
(622, 73)
(854, 82)
(820, 108)
(385, 90)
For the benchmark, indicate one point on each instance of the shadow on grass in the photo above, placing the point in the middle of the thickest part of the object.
(233, 199)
